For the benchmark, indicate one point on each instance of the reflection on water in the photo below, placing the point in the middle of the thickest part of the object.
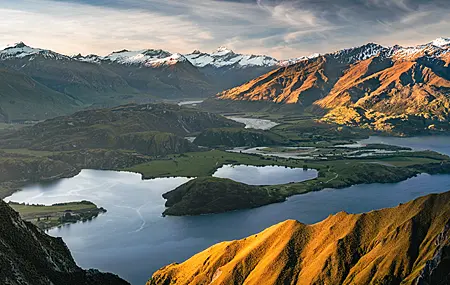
(437, 143)
(265, 175)
(133, 240)
(250, 123)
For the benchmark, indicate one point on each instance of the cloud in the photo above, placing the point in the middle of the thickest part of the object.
(280, 28)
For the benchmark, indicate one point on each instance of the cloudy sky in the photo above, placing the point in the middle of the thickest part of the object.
(279, 28)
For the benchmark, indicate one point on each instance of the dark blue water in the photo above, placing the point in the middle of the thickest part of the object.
(133, 240)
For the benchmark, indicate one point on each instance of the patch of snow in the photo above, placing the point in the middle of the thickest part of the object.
(441, 42)
(292, 61)
(21, 50)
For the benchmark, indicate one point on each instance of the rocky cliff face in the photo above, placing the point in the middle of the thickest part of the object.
(30, 257)
(408, 244)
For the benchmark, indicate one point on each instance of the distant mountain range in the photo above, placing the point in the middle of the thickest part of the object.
(402, 89)
(408, 244)
(37, 83)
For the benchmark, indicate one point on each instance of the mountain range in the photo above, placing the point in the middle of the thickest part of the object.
(391, 89)
(408, 244)
(37, 83)
(403, 89)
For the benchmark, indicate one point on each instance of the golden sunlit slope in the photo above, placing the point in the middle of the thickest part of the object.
(302, 83)
(403, 87)
(407, 89)
(409, 244)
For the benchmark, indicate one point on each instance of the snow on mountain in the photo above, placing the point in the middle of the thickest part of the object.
(149, 58)
(224, 57)
(436, 48)
(292, 61)
(441, 42)
(21, 50)
(356, 54)
(91, 58)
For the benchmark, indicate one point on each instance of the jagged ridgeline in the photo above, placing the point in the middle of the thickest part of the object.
(153, 129)
(30, 257)
(40, 84)
(408, 244)
(394, 89)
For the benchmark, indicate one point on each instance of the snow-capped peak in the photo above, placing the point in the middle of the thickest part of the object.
(21, 50)
(223, 49)
(292, 61)
(149, 57)
(225, 57)
(17, 45)
(441, 42)
(363, 52)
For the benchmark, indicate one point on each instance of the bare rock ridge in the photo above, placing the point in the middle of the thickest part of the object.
(30, 257)
(408, 244)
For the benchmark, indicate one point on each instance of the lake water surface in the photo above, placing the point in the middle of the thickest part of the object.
(437, 143)
(133, 240)
(266, 175)
(251, 123)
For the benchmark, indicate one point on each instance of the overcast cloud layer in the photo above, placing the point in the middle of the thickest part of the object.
(279, 28)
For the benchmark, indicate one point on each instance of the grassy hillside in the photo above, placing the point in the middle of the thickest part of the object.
(333, 173)
(236, 137)
(47, 217)
(153, 129)
(409, 244)
(213, 195)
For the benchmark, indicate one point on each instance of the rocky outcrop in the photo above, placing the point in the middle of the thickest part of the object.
(30, 257)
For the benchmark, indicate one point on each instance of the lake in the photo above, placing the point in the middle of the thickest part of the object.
(251, 123)
(133, 240)
(437, 143)
(191, 102)
(265, 175)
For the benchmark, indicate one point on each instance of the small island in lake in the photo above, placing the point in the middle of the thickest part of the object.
(47, 217)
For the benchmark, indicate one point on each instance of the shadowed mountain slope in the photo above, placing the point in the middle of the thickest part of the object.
(153, 129)
(22, 98)
(30, 257)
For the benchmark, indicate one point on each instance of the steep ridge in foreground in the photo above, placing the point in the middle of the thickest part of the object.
(30, 257)
(408, 244)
